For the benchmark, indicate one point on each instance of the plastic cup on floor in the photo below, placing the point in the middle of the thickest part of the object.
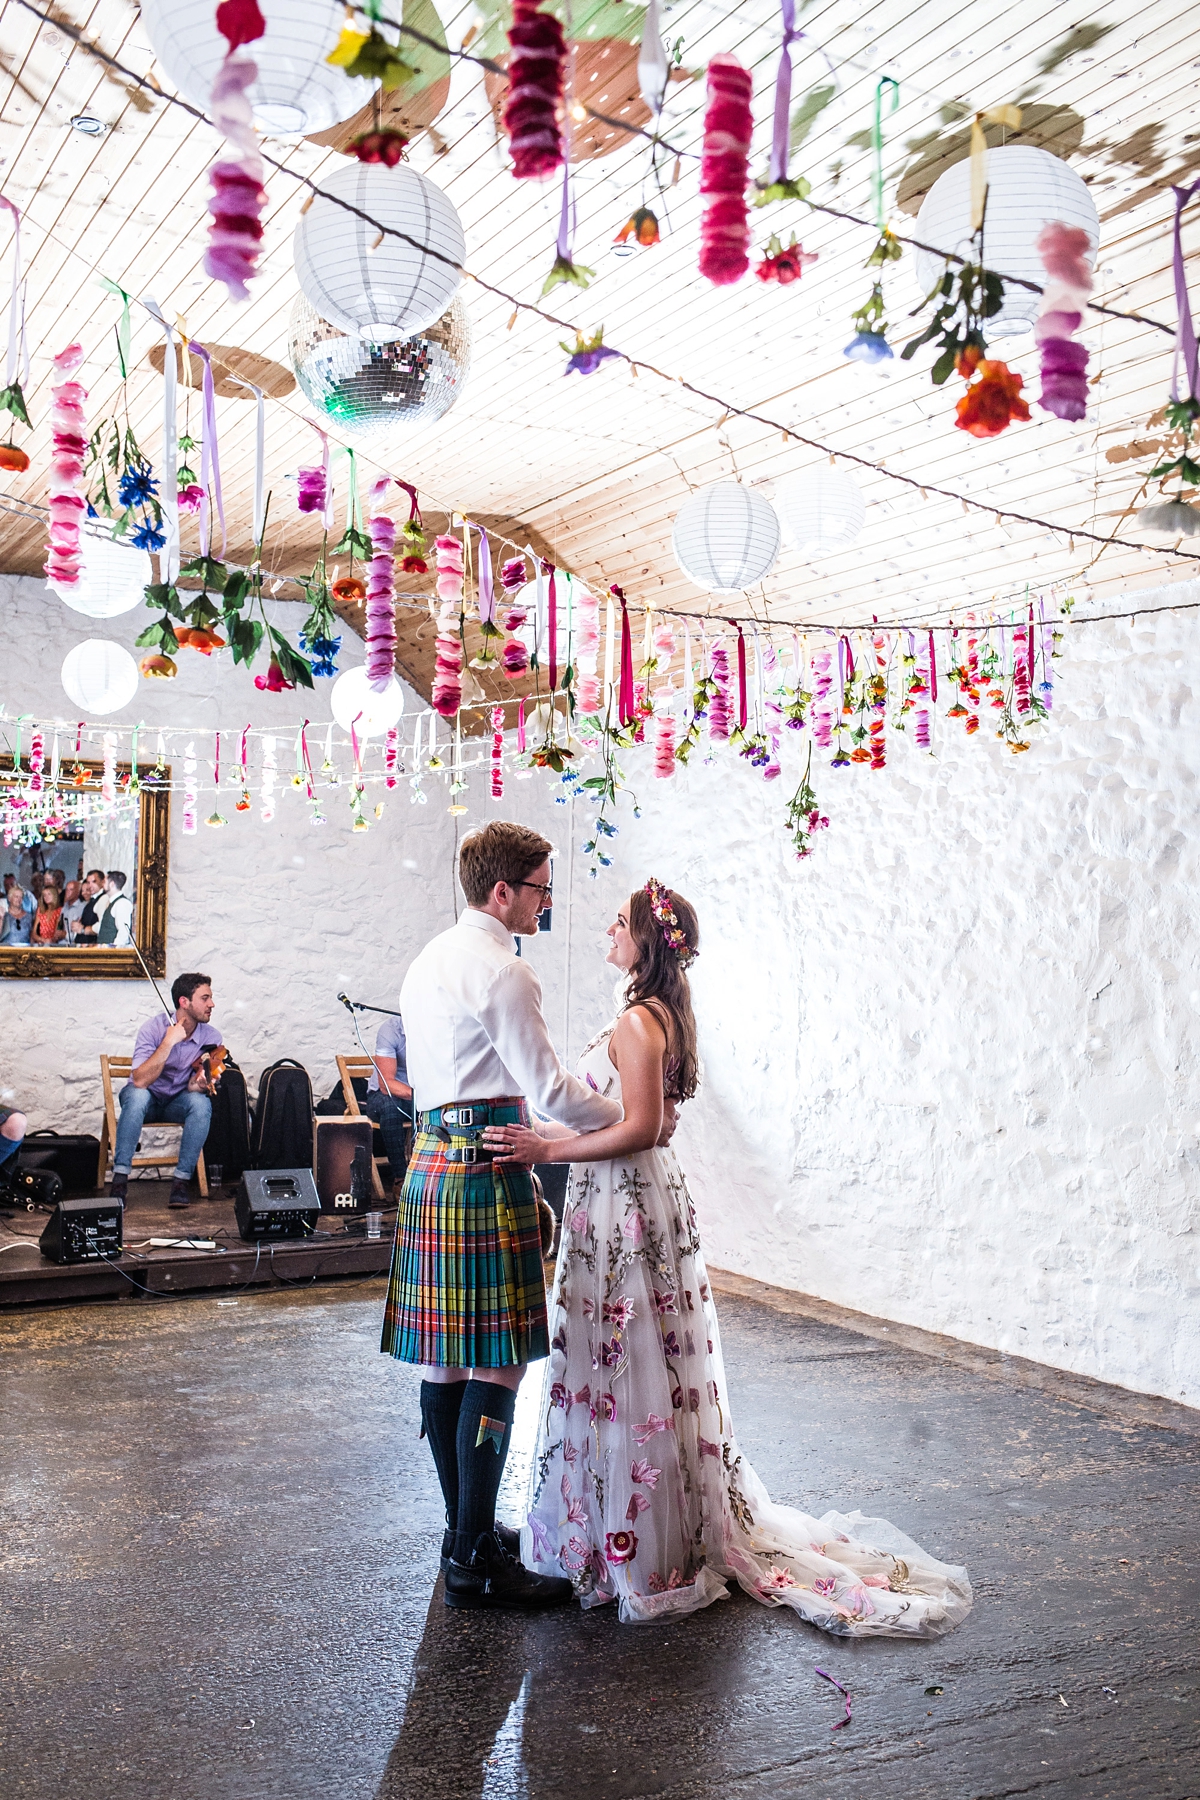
(215, 1172)
(374, 1224)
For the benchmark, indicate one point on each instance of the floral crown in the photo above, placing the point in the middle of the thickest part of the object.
(664, 912)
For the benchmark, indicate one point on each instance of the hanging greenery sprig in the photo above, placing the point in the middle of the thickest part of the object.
(122, 486)
(704, 692)
(804, 818)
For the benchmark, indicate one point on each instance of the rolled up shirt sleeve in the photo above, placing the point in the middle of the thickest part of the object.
(512, 1017)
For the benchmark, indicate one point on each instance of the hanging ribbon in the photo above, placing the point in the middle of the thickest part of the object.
(653, 69)
(996, 115)
(783, 94)
(485, 592)
(566, 217)
(327, 509)
(877, 142)
(414, 510)
(610, 651)
(1185, 334)
(124, 326)
(210, 463)
(17, 368)
(552, 628)
(353, 514)
(741, 676)
(169, 486)
(260, 458)
(521, 726)
(625, 697)
(932, 671)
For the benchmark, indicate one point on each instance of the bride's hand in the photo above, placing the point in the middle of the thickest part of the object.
(516, 1146)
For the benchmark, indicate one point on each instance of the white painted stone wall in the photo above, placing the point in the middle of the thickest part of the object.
(950, 1060)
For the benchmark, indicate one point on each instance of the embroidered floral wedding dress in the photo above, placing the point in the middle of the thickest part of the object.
(638, 1490)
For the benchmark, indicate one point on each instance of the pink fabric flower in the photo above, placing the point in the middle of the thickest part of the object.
(64, 558)
(310, 490)
(724, 172)
(381, 602)
(1064, 251)
(620, 1546)
(537, 58)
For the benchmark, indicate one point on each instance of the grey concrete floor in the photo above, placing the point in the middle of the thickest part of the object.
(219, 1549)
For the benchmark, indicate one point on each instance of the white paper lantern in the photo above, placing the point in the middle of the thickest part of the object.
(821, 509)
(99, 677)
(379, 289)
(297, 91)
(353, 701)
(726, 537)
(1027, 188)
(114, 580)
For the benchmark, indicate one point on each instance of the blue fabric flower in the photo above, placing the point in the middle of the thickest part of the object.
(868, 347)
(322, 651)
(147, 536)
(137, 486)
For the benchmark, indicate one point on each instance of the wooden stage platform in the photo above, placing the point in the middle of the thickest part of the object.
(28, 1278)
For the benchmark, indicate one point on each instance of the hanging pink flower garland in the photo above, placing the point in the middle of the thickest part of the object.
(1063, 250)
(381, 595)
(238, 195)
(514, 657)
(587, 648)
(725, 172)
(447, 677)
(64, 559)
(537, 60)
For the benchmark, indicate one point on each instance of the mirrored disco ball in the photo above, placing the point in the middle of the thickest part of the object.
(371, 390)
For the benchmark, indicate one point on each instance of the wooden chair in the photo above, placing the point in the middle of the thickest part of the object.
(114, 1071)
(348, 1068)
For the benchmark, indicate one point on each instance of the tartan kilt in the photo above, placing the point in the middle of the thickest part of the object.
(467, 1288)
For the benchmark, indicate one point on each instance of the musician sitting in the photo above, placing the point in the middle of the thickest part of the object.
(169, 1084)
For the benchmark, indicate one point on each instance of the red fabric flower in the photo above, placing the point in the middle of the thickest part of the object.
(240, 22)
(992, 401)
(785, 265)
(537, 61)
(273, 682)
(415, 565)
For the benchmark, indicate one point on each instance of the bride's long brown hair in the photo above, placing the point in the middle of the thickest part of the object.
(658, 981)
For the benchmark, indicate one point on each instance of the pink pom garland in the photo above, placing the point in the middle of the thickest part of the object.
(447, 675)
(537, 58)
(311, 490)
(718, 707)
(238, 195)
(497, 752)
(381, 598)
(724, 172)
(64, 559)
(587, 648)
(664, 746)
(1063, 250)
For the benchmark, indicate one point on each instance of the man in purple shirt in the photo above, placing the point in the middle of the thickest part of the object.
(167, 1085)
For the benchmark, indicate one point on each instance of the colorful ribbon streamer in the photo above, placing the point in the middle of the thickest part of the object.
(625, 696)
(1185, 335)
(996, 115)
(18, 346)
(210, 463)
(260, 458)
(485, 591)
(124, 327)
(741, 676)
(552, 628)
(783, 94)
(887, 81)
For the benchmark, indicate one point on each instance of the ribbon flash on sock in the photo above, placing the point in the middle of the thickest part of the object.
(491, 1431)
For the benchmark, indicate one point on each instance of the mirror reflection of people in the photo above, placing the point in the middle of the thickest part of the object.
(389, 1096)
(48, 927)
(640, 1492)
(17, 922)
(166, 1086)
(89, 918)
(73, 904)
(115, 913)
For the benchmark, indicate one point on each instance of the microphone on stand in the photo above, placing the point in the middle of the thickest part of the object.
(346, 1002)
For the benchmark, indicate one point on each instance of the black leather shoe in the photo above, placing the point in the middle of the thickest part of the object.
(494, 1579)
(180, 1194)
(509, 1540)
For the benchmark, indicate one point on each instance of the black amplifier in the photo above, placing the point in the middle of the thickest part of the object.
(83, 1231)
(276, 1203)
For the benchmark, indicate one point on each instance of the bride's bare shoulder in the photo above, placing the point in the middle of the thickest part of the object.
(639, 1027)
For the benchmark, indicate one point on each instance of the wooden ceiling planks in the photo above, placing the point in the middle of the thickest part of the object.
(599, 467)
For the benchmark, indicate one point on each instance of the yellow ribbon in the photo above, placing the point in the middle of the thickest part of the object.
(185, 359)
(995, 115)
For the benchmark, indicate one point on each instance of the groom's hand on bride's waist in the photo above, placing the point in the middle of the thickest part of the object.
(516, 1146)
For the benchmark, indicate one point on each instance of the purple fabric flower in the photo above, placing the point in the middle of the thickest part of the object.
(310, 490)
(1064, 373)
(586, 362)
(868, 347)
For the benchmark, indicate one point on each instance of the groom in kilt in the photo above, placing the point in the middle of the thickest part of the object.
(466, 1297)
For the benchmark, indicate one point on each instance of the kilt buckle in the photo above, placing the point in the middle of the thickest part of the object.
(463, 1115)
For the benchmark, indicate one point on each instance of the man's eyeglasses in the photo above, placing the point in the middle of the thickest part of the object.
(543, 888)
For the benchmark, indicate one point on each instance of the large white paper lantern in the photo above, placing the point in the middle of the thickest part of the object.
(726, 537)
(821, 509)
(115, 576)
(99, 677)
(297, 91)
(1027, 188)
(353, 701)
(379, 288)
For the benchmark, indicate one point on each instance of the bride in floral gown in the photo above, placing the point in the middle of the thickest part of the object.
(639, 1491)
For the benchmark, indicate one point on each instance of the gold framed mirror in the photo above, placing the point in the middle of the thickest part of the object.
(85, 883)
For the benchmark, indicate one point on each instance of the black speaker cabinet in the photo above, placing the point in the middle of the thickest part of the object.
(334, 1144)
(276, 1203)
(83, 1231)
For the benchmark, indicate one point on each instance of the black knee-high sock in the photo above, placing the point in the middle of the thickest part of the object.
(440, 1403)
(484, 1430)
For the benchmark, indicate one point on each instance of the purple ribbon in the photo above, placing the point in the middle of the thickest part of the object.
(486, 595)
(566, 219)
(1185, 341)
(783, 93)
(210, 463)
(844, 1721)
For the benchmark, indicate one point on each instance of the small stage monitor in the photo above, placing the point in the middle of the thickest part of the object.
(83, 1231)
(276, 1203)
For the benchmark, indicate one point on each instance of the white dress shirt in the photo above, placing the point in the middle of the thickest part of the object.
(474, 1027)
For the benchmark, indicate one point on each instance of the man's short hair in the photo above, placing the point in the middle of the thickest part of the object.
(117, 875)
(93, 873)
(501, 851)
(184, 986)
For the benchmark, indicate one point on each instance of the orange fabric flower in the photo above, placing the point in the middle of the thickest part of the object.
(161, 666)
(200, 637)
(992, 401)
